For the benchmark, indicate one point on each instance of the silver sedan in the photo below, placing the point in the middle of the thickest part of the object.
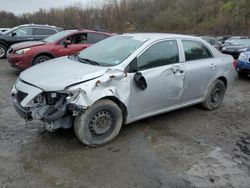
(120, 80)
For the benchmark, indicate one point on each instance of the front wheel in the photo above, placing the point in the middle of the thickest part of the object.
(215, 95)
(41, 59)
(100, 124)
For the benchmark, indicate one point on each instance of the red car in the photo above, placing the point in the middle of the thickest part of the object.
(24, 55)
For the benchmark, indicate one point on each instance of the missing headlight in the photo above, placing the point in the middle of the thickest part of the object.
(52, 97)
(39, 99)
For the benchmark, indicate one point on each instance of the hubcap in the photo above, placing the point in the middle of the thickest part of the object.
(2, 52)
(42, 60)
(216, 95)
(101, 123)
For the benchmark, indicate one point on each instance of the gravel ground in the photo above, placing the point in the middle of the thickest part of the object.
(191, 147)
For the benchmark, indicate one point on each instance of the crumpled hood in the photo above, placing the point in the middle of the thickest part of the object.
(29, 44)
(57, 74)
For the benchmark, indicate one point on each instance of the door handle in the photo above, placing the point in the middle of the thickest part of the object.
(212, 66)
(30, 38)
(178, 70)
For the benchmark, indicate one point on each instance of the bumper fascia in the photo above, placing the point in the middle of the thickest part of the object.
(22, 111)
(243, 67)
(19, 61)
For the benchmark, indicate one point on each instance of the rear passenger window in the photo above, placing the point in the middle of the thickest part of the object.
(43, 31)
(95, 37)
(195, 50)
(160, 54)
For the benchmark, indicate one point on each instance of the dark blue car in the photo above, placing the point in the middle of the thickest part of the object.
(243, 64)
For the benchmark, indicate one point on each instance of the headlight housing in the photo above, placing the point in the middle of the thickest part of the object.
(22, 51)
(224, 48)
(243, 57)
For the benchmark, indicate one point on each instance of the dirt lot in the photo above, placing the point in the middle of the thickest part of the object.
(186, 148)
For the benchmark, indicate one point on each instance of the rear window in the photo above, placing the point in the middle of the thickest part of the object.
(95, 37)
(195, 50)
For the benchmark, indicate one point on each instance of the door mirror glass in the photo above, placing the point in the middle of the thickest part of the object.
(13, 34)
(66, 43)
(140, 81)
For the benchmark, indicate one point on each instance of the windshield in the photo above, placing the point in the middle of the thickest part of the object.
(112, 51)
(57, 36)
(10, 30)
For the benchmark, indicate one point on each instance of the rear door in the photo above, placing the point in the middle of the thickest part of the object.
(200, 66)
(164, 75)
(40, 33)
(96, 37)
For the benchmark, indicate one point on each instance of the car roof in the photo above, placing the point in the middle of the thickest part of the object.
(158, 36)
(40, 25)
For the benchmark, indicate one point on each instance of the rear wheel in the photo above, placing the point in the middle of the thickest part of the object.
(215, 95)
(3, 51)
(100, 124)
(41, 59)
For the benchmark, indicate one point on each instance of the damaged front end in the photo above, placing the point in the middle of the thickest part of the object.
(53, 108)
(58, 109)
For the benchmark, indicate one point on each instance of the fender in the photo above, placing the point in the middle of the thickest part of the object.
(4, 43)
(43, 53)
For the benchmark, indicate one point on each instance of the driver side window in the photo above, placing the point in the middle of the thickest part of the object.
(78, 39)
(24, 31)
(160, 54)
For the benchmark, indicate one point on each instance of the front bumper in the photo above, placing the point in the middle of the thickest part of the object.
(19, 61)
(243, 67)
(22, 111)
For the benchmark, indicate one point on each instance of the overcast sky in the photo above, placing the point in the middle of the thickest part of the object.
(25, 6)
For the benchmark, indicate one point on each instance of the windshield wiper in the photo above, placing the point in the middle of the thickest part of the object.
(84, 60)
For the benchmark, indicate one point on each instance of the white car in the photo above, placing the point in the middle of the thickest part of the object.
(120, 80)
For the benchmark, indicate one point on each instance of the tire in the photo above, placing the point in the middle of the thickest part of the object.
(3, 51)
(88, 127)
(215, 95)
(41, 59)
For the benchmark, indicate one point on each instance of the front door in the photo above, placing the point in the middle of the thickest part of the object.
(163, 73)
(20, 35)
(78, 42)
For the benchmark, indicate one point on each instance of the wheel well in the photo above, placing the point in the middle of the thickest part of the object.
(121, 105)
(224, 80)
(6, 46)
(46, 54)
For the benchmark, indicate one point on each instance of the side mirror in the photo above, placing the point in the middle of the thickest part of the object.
(13, 34)
(66, 43)
(140, 81)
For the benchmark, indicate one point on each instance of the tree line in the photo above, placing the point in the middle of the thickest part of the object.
(213, 17)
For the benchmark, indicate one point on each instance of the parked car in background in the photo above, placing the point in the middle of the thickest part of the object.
(24, 55)
(222, 39)
(3, 30)
(231, 39)
(243, 64)
(120, 80)
(236, 47)
(28, 32)
(213, 41)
